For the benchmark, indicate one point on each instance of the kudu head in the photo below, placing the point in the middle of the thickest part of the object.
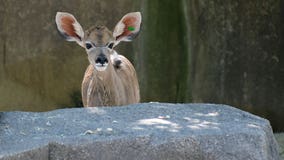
(99, 41)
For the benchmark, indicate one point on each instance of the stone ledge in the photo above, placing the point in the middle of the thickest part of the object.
(141, 131)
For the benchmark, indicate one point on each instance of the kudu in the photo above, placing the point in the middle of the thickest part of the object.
(110, 79)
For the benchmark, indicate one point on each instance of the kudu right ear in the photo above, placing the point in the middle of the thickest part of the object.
(69, 27)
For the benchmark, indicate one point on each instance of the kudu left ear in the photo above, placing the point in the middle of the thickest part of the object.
(128, 27)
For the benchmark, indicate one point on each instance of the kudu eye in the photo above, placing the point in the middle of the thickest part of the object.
(88, 45)
(110, 45)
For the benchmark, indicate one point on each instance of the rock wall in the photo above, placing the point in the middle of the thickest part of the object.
(39, 70)
(188, 51)
(236, 55)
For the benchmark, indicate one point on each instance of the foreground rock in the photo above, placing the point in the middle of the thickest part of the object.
(142, 131)
(280, 139)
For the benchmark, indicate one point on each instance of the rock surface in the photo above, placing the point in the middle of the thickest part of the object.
(141, 131)
(280, 139)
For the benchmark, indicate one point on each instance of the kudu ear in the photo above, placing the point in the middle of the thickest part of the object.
(128, 27)
(69, 27)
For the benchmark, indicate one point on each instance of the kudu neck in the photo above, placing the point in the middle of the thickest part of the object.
(106, 75)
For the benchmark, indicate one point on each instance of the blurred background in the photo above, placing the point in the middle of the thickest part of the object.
(188, 51)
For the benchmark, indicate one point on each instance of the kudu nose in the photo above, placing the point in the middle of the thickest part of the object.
(102, 59)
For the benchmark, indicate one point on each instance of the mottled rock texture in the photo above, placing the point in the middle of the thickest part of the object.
(141, 131)
(280, 139)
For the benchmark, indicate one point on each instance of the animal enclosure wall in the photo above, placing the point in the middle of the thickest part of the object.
(188, 51)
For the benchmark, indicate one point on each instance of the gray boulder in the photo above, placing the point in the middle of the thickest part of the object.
(140, 131)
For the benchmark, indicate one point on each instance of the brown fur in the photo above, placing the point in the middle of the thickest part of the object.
(115, 86)
(110, 79)
(68, 27)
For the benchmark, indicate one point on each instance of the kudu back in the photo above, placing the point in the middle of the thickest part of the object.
(110, 79)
